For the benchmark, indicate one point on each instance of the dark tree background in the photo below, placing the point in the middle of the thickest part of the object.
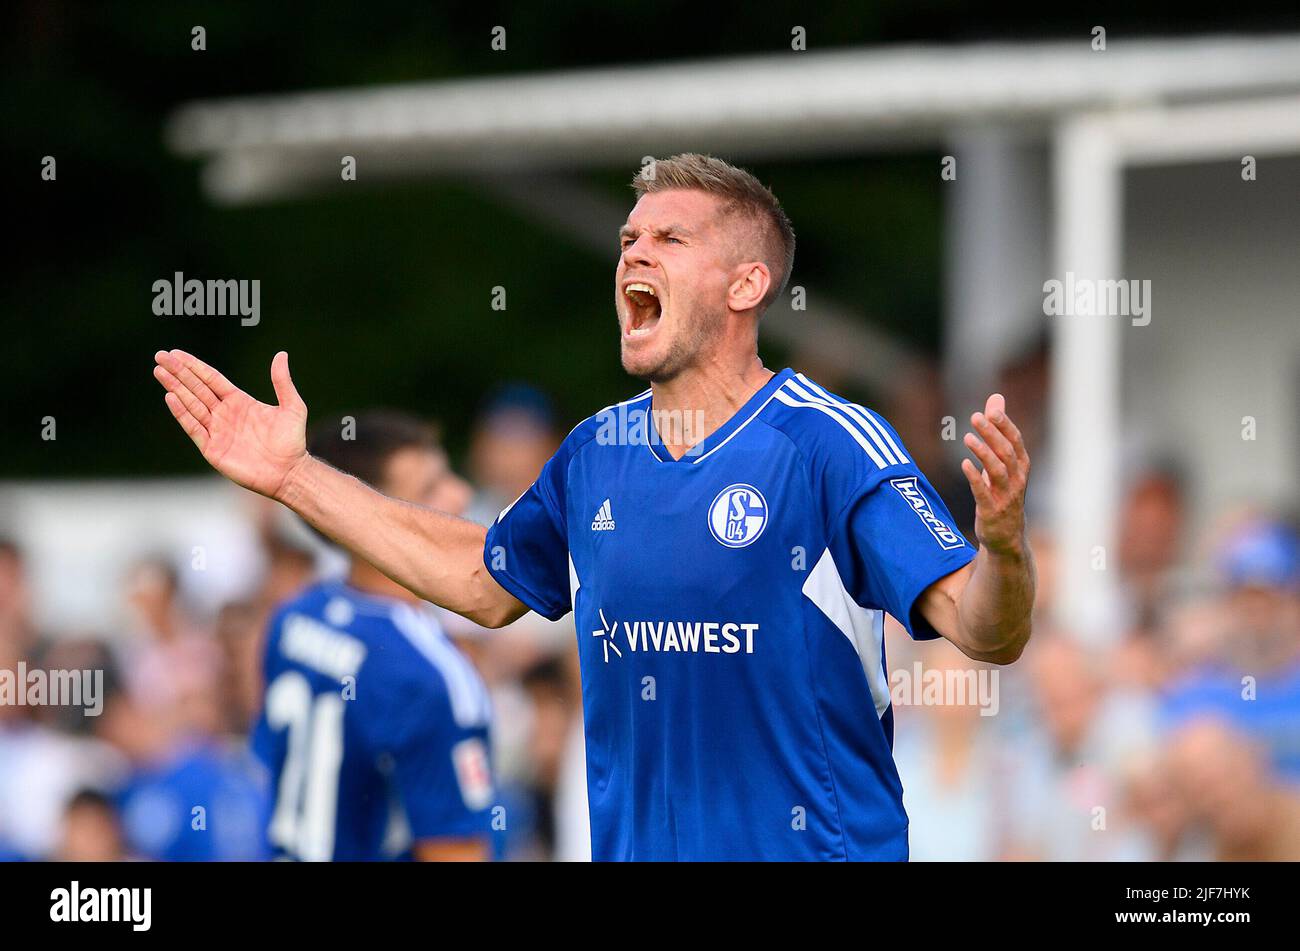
(381, 295)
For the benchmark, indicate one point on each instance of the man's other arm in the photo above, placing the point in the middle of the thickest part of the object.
(986, 607)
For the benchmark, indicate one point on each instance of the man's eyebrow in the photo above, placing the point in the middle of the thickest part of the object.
(628, 230)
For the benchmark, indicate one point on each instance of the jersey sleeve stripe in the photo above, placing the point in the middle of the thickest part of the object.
(469, 701)
(852, 430)
(858, 414)
(884, 431)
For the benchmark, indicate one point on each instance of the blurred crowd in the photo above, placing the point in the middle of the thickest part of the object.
(164, 771)
(1176, 739)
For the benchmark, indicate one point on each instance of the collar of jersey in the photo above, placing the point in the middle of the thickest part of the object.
(720, 436)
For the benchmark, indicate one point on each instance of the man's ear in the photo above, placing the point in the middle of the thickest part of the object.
(749, 286)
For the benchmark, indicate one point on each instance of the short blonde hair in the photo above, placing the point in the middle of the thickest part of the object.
(742, 194)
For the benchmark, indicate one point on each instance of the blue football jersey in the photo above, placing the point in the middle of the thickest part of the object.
(202, 802)
(729, 608)
(374, 728)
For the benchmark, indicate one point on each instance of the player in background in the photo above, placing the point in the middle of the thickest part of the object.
(374, 726)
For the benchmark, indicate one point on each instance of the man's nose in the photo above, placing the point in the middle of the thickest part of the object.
(637, 254)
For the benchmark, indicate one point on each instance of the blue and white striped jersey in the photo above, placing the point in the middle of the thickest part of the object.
(374, 727)
(729, 614)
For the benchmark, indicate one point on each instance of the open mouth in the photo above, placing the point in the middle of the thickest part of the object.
(643, 309)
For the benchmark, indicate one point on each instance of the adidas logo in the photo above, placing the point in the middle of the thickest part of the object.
(604, 520)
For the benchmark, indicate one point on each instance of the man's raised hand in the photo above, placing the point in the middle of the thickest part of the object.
(252, 444)
(999, 489)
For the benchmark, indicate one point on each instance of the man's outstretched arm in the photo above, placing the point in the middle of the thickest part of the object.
(986, 607)
(264, 448)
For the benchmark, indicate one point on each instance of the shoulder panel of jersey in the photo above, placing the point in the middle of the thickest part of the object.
(590, 428)
(846, 447)
(464, 688)
(405, 645)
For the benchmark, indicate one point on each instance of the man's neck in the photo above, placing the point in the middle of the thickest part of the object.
(699, 400)
(369, 579)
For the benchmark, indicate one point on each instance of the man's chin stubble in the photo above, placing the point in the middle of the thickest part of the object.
(664, 371)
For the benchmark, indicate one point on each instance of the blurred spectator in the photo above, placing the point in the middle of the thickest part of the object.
(74, 654)
(1150, 529)
(1151, 524)
(1229, 790)
(1025, 381)
(1065, 788)
(41, 768)
(513, 437)
(1254, 683)
(91, 830)
(239, 636)
(16, 626)
(1191, 637)
(188, 798)
(572, 819)
(552, 704)
(1152, 798)
(167, 652)
(289, 568)
(40, 771)
(554, 696)
(1046, 563)
(950, 769)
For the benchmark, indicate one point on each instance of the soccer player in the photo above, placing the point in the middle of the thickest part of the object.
(727, 540)
(374, 726)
